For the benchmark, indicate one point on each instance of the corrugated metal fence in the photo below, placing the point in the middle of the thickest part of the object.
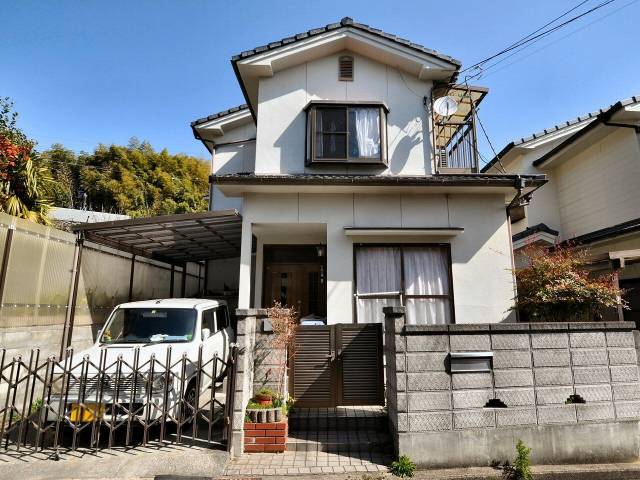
(38, 280)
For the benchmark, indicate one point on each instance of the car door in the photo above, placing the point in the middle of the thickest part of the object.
(216, 320)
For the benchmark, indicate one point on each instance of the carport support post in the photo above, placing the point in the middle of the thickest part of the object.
(67, 332)
(133, 267)
(183, 282)
(173, 272)
(4, 268)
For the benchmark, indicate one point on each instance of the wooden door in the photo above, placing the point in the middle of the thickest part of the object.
(297, 285)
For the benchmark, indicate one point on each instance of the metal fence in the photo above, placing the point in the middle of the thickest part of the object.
(110, 401)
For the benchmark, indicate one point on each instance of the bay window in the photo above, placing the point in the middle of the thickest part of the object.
(417, 277)
(346, 133)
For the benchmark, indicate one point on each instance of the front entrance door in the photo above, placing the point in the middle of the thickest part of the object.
(338, 364)
(294, 276)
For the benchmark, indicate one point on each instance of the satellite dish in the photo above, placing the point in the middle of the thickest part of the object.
(445, 106)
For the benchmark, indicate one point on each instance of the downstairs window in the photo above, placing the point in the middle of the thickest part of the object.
(417, 277)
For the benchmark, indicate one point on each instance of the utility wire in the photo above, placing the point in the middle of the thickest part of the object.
(488, 71)
(537, 34)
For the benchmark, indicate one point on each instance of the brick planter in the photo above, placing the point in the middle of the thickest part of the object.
(265, 437)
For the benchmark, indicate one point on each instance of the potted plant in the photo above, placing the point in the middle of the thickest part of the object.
(264, 396)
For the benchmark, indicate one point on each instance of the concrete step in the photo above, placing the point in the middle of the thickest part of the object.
(351, 442)
(338, 419)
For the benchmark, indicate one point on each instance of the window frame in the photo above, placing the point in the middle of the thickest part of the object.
(401, 294)
(311, 133)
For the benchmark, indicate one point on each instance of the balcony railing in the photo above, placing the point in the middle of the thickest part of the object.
(454, 137)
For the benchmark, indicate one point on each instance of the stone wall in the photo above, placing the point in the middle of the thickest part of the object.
(439, 418)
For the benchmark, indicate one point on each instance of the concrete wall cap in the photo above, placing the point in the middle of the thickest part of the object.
(469, 327)
(409, 329)
(251, 312)
(510, 327)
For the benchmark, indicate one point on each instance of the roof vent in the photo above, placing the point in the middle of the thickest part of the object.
(345, 68)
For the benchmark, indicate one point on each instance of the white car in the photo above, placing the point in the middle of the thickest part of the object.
(135, 332)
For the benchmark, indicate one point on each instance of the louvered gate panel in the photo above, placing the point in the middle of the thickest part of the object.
(359, 349)
(313, 371)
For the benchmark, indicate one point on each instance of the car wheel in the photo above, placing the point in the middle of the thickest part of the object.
(188, 405)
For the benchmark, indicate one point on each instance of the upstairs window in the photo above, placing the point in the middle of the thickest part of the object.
(353, 133)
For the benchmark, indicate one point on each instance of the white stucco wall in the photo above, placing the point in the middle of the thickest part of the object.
(281, 120)
(233, 159)
(481, 262)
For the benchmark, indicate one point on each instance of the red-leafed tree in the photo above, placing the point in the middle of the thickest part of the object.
(556, 285)
(24, 182)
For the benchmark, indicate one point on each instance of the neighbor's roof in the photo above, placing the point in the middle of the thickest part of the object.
(349, 23)
(471, 179)
(540, 227)
(586, 119)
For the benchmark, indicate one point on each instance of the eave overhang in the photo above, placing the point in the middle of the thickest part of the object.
(239, 184)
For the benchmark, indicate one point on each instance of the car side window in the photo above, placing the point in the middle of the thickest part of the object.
(222, 317)
(208, 320)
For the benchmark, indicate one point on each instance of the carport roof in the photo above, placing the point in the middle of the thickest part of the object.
(175, 239)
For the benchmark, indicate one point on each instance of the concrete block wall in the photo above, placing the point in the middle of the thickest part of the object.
(535, 369)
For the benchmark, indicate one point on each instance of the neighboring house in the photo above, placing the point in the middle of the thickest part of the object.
(354, 193)
(76, 215)
(592, 196)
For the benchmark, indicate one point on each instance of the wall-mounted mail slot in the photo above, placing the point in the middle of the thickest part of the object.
(465, 362)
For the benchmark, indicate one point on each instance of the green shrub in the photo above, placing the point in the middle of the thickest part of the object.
(521, 468)
(403, 467)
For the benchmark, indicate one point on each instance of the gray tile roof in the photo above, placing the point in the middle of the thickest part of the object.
(561, 126)
(223, 113)
(348, 23)
(250, 178)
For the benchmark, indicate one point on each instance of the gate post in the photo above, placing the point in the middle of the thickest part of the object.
(395, 353)
(248, 323)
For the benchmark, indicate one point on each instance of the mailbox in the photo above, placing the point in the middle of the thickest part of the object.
(467, 362)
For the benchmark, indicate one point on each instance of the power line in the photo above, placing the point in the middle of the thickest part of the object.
(534, 36)
(488, 71)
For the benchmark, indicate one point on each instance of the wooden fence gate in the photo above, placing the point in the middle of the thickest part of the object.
(338, 364)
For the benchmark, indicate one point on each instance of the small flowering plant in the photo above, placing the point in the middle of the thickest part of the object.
(556, 285)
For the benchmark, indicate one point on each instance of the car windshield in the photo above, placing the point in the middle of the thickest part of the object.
(150, 325)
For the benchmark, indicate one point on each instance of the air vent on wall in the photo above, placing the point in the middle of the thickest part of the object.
(345, 67)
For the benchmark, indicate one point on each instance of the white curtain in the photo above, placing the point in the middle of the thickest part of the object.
(367, 125)
(370, 309)
(426, 272)
(378, 270)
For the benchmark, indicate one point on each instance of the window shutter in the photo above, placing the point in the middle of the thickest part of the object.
(345, 68)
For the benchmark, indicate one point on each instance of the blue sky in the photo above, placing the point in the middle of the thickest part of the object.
(89, 72)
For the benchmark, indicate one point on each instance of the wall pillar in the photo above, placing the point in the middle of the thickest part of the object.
(394, 350)
(248, 323)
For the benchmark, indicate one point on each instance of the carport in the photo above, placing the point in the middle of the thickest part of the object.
(172, 239)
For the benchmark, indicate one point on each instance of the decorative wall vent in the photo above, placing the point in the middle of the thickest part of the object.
(575, 398)
(345, 68)
(495, 403)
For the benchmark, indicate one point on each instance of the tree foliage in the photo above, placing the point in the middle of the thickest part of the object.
(24, 182)
(556, 285)
(135, 180)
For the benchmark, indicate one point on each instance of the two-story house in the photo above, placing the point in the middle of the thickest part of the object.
(354, 166)
(592, 197)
